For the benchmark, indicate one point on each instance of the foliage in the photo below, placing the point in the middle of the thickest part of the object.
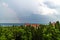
(43, 32)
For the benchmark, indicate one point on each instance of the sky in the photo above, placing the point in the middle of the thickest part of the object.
(29, 11)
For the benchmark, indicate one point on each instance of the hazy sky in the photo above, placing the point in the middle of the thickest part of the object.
(29, 11)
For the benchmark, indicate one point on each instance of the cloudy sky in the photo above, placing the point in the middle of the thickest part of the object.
(29, 11)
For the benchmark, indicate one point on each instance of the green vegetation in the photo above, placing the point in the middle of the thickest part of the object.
(43, 32)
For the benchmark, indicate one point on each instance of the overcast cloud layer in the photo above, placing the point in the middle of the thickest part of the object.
(29, 11)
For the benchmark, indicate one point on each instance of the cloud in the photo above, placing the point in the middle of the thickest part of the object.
(45, 10)
(31, 11)
(36, 6)
(55, 2)
(8, 15)
(4, 4)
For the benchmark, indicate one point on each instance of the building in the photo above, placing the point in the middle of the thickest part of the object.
(53, 23)
(27, 24)
(32, 25)
(35, 25)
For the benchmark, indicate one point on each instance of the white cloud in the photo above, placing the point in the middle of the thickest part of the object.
(45, 10)
(4, 4)
(8, 15)
(55, 2)
(37, 6)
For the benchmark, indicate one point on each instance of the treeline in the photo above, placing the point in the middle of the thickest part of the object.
(43, 32)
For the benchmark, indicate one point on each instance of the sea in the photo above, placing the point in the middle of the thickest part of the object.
(15, 24)
(11, 24)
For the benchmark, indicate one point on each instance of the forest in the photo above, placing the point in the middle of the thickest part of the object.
(43, 32)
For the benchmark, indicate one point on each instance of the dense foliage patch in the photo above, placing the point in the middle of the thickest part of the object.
(43, 32)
